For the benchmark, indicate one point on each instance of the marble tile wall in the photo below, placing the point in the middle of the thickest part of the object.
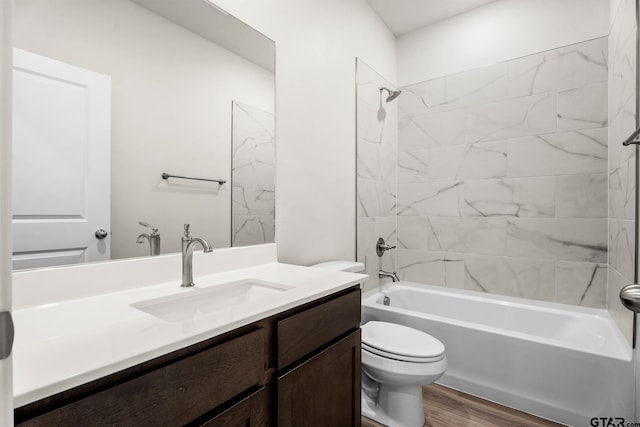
(622, 178)
(503, 178)
(252, 176)
(377, 140)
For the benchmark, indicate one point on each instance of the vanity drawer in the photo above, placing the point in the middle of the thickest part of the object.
(174, 394)
(300, 334)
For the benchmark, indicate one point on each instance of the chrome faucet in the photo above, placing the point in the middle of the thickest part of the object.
(188, 245)
(393, 276)
(153, 238)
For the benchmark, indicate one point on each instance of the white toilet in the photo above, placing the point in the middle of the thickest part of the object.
(396, 362)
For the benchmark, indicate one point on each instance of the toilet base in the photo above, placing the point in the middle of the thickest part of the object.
(395, 406)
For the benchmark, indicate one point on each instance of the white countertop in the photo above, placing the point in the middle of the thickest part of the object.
(66, 343)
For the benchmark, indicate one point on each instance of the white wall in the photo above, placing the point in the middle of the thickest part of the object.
(317, 42)
(171, 102)
(499, 31)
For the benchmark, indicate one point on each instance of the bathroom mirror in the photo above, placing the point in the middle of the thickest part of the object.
(109, 95)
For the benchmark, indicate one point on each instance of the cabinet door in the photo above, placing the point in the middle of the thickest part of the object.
(250, 412)
(325, 390)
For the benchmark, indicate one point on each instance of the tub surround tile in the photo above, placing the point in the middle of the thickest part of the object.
(253, 175)
(564, 153)
(622, 247)
(375, 198)
(622, 189)
(557, 238)
(624, 24)
(433, 268)
(569, 67)
(531, 115)
(621, 315)
(622, 93)
(477, 161)
(252, 229)
(583, 108)
(423, 97)
(376, 161)
(413, 166)
(519, 277)
(581, 284)
(520, 197)
(582, 196)
(622, 99)
(413, 232)
(376, 167)
(622, 117)
(503, 175)
(430, 199)
(468, 235)
(477, 87)
(247, 201)
(427, 130)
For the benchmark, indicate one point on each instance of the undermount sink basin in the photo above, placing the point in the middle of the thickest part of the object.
(196, 302)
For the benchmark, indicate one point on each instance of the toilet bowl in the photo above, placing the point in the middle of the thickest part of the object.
(400, 360)
(396, 362)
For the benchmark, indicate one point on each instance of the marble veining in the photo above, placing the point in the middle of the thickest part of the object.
(376, 170)
(622, 171)
(519, 197)
(252, 175)
(559, 69)
(581, 284)
(502, 174)
(574, 152)
(583, 108)
(531, 115)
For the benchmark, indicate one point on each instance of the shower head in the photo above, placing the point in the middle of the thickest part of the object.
(393, 94)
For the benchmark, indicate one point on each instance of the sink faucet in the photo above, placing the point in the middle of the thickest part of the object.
(188, 245)
(153, 238)
(393, 276)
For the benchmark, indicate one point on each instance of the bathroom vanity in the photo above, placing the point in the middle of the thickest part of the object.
(282, 359)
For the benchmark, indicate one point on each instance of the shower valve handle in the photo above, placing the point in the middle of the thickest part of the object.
(382, 247)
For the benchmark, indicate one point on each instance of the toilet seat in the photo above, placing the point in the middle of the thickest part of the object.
(400, 357)
(401, 343)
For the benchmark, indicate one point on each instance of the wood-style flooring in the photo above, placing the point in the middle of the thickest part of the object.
(445, 407)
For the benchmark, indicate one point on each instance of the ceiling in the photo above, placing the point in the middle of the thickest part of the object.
(404, 16)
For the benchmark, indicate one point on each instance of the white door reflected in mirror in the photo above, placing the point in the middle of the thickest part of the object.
(61, 162)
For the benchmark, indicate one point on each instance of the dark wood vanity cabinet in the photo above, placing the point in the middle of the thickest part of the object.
(325, 390)
(298, 368)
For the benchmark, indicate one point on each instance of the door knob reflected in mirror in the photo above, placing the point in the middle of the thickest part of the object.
(101, 233)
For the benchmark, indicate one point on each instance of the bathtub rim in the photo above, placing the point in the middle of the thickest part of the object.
(625, 352)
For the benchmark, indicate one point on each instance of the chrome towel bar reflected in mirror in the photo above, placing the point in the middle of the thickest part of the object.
(167, 176)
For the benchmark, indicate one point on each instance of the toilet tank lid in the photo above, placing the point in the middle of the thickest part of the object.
(350, 266)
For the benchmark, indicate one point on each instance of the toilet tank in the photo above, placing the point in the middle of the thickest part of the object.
(349, 266)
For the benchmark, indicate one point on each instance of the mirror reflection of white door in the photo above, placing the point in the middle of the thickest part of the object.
(61, 163)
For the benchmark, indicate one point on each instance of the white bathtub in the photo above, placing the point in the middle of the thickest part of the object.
(560, 362)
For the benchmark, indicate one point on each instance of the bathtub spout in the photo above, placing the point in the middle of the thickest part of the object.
(392, 275)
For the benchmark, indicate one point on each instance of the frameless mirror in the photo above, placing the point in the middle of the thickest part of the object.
(109, 95)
